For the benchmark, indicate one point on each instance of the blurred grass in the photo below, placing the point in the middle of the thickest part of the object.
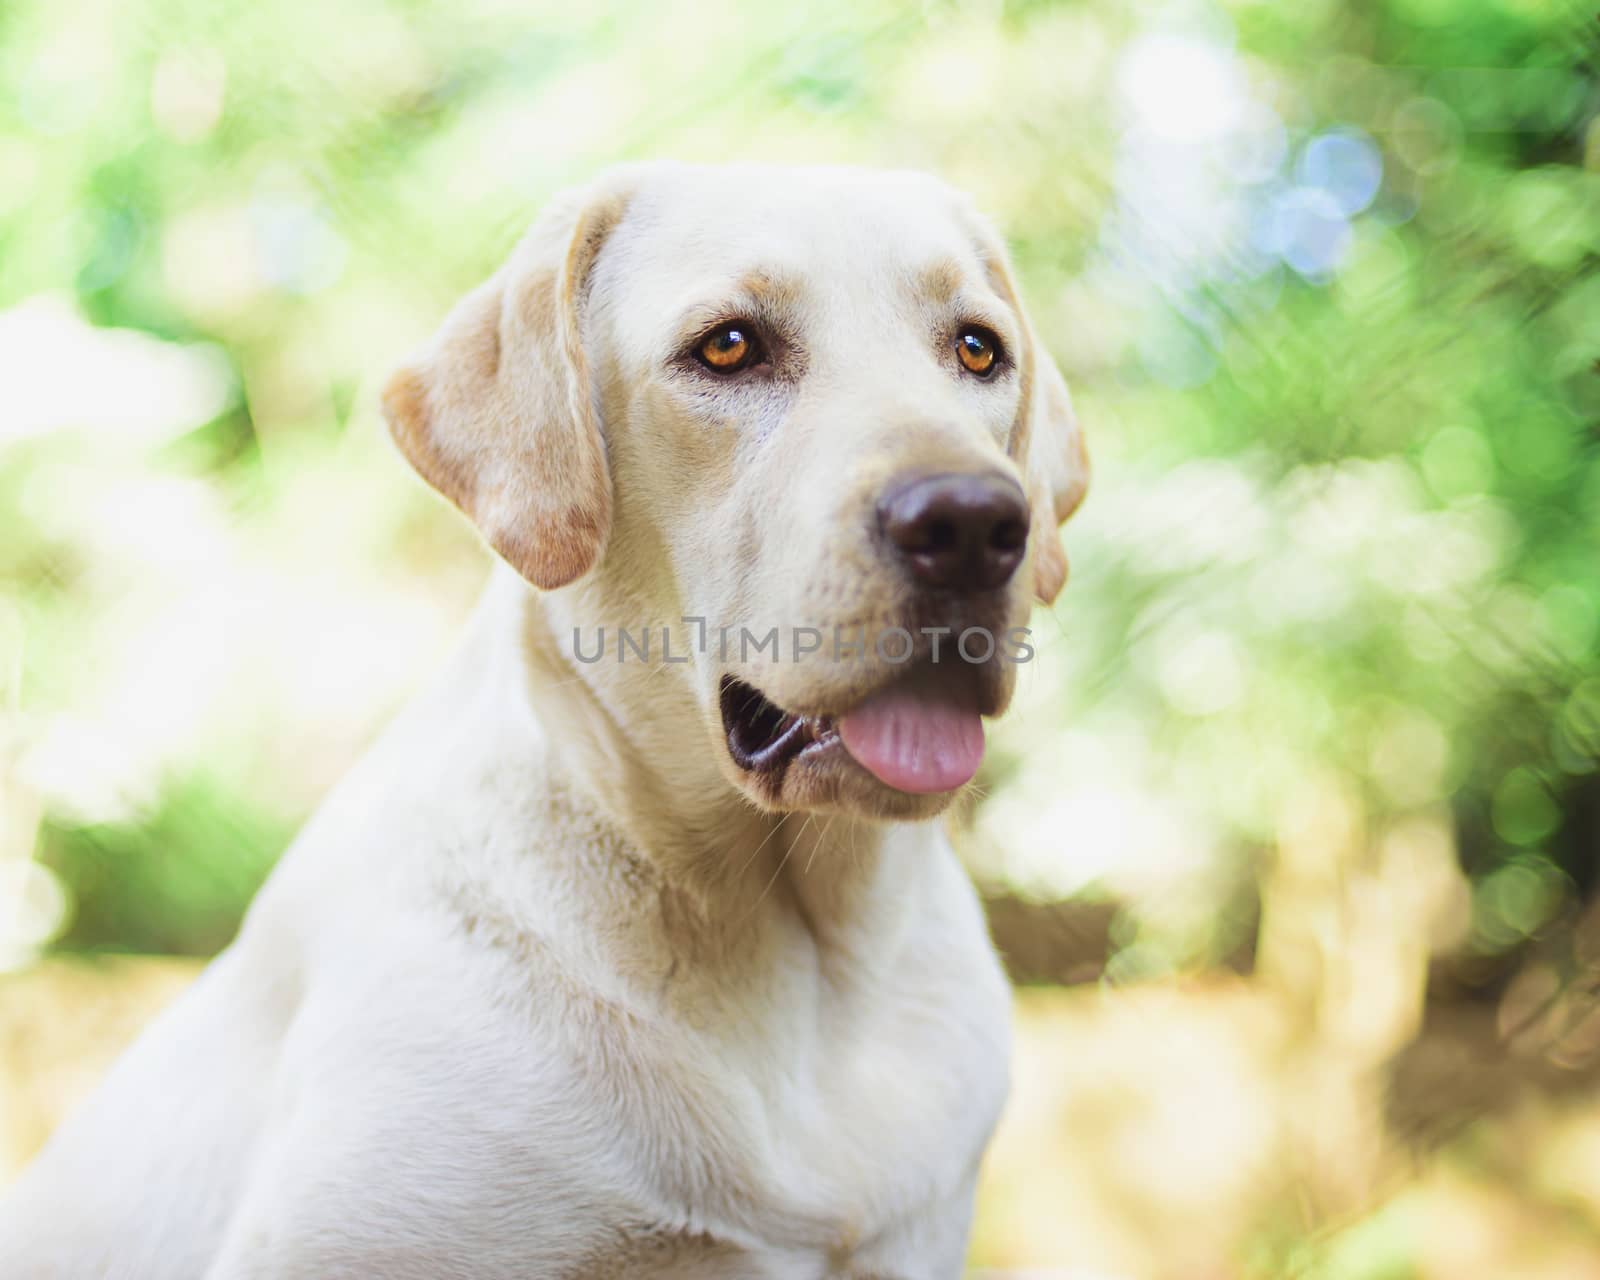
(1321, 707)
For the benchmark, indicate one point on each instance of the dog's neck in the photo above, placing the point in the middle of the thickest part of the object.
(632, 738)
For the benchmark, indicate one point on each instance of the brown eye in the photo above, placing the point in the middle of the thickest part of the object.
(979, 349)
(727, 348)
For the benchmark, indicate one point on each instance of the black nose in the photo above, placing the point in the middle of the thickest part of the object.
(957, 532)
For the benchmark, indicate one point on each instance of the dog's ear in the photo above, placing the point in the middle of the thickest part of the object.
(1045, 437)
(497, 412)
(1057, 467)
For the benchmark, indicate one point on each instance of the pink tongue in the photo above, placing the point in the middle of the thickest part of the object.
(913, 741)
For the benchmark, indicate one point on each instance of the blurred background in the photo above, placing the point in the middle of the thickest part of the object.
(1292, 841)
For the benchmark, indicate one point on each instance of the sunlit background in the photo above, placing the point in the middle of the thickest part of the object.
(1292, 841)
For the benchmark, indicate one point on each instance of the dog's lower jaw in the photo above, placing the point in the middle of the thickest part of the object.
(686, 805)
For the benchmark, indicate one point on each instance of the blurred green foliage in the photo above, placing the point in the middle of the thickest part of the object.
(1323, 275)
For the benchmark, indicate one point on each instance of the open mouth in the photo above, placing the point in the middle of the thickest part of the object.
(762, 737)
(921, 734)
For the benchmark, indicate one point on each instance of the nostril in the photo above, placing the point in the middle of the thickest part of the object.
(941, 536)
(1008, 535)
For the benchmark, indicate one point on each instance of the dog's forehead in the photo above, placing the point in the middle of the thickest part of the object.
(691, 228)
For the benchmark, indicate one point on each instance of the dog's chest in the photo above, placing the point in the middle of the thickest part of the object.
(805, 1107)
(840, 1129)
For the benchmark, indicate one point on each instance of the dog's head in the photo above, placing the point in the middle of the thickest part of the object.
(803, 406)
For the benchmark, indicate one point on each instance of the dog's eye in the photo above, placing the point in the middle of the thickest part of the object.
(979, 350)
(728, 348)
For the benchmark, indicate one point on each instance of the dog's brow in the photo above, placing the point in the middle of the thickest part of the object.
(771, 287)
(761, 293)
(941, 279)
(948, 284)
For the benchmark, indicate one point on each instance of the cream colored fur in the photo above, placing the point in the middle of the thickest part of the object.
(548, 987)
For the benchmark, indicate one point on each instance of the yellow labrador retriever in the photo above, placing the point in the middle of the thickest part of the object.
(635, 947)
